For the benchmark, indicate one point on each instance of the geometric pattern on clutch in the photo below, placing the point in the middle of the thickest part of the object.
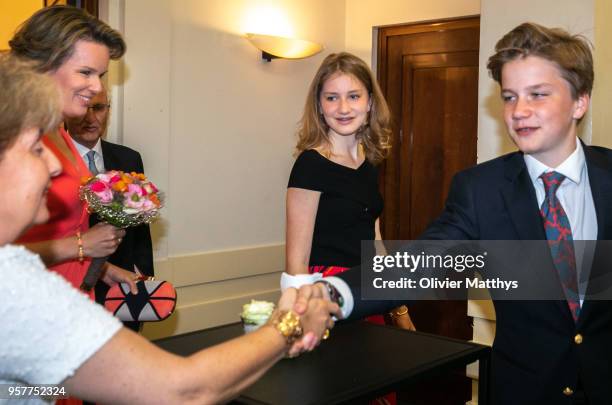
(155, 301)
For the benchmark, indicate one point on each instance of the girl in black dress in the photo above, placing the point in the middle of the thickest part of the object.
(333, 200)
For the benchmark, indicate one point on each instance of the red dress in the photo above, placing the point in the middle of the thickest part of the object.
(68, 214)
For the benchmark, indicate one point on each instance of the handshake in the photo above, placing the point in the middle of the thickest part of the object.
(313, 304)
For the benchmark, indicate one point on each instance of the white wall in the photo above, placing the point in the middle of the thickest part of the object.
(215, 122)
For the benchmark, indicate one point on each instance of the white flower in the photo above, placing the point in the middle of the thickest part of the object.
(130, 211)
(257, 312)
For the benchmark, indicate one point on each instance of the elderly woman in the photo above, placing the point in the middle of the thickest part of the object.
(73, 48)
(85, 349)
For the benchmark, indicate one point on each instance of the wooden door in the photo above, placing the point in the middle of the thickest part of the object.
(429, 75)
(438, 127)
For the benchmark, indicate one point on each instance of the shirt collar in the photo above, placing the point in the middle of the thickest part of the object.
(83, 150)
(571, 167)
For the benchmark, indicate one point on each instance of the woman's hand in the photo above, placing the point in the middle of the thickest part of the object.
(315, 320)
(113, 275)
(401, 318)
(101, 240)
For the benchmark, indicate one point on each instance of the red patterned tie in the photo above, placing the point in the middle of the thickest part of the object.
(560, 241)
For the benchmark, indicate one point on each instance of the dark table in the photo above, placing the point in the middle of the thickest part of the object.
(360, 361)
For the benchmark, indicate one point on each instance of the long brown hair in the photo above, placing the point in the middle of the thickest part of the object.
(374, 136)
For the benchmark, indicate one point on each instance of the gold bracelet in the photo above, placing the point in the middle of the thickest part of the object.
(81, 254)
(288, 324)
(403, 310)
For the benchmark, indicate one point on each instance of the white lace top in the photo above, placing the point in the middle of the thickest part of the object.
(47, 328)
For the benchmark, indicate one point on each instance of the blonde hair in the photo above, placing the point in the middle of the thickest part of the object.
(28, 100)
(374, 136)
(571, 53)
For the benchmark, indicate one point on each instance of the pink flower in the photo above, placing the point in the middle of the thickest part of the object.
(134, 201)
(114, 178)
(105, 196)
(102, 191)
(132, 197)
(136, 189)
(97, 186)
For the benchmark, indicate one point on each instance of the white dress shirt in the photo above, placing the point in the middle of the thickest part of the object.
(98, 157)
(574, 193)
(576, 198)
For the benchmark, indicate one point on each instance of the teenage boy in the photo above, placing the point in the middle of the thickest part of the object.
(553, 188)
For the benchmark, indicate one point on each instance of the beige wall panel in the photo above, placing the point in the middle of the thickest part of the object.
(602, 95)
(230, 264)
(213, 286)
(216, 291)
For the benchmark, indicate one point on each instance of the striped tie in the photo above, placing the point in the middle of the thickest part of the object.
(91, 162)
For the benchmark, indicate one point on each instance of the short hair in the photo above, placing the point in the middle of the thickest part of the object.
(376, 134)
(571, 54)
(28, 100)
(48, 37)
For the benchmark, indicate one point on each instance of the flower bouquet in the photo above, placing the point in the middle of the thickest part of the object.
(255, 314)
(121, 199)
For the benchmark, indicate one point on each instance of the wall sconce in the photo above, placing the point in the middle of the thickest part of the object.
(273, 47)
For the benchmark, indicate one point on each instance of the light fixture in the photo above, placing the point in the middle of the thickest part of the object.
(273, 47)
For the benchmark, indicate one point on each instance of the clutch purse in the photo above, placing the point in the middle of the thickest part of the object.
(155, 301)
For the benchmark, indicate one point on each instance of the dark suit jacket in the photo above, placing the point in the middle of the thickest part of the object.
(535, 355)
(135, 248)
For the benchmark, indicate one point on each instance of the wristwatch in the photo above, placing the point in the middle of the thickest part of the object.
(334, 295)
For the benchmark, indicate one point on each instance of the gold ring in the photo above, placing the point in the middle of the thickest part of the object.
(325, 334)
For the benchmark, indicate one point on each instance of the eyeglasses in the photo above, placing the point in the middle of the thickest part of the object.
(99, 108)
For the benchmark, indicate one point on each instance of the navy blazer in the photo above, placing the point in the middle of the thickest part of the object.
(136, 247)
(536, 353)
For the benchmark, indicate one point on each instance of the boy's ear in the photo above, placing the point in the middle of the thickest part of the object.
(581, 106)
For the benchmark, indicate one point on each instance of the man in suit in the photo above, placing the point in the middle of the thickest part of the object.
(545, 352)
(135, 250)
